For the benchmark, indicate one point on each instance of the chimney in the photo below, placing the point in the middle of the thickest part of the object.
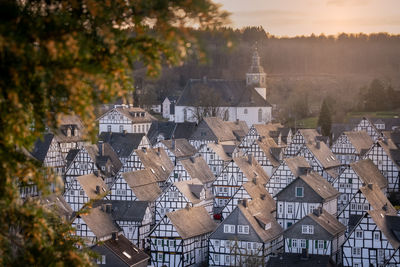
(237, 122)
(76, 132)
(318, 211)
(97, 189)
(254, 180)
(262, 196)
(385, 207)
(108, 208)
(250, 159)
(370, 186)
(318, 144)
(244, 203)
(114, 235)
(192, 159)
(101, 148)
(173, 144)
(187, 207)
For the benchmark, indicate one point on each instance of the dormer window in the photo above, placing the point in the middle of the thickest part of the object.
(299, 191)
(267, 226)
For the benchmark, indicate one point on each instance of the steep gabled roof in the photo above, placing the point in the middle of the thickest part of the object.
(297, 165)
(122, 210)
(180, 147)
(161, 128)
(360, 140)
(369, 173)
(130, 113)
(391, 150)
(184, 129)
(57, 204)
(323, 154)
(100, 223)
(224, 94)
(259, 195)
(328, 222)
(310, 135)
(271, 150)
(157, 161)
(42, 146)
(389, 224)
(198, 168)
(191, 222)
(89, 183)
(320, 185)
(101, 152)
(377, 199)
(220, 150)
(122, 143)
(191, 190)
(220, 129)
(251, 168)
(143, 184)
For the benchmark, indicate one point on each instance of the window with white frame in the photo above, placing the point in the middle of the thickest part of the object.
(173, 194)
(359, 234)
(227, 259)
(294, 243)
(307, 229)
(216, 243)
(108, 128)
(299, 191)
(290, 209)
(121, 128)
(280, 207)
(159, 242)
(356, 251)
(160, 256)
(243, 229)
(302, 243)
(311, 207)
(320, 244)
(216, 257)
(229, 228)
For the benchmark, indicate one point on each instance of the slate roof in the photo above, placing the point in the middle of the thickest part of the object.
(143, 184)
(122, 143)
(156, 159)
(391, 150)
(198, 168)
(297, 165)
(323, 154)
(71, 156)
(328, 222)
(270, 130)
(251, 170)
(389, 224)
(320, 185)
(259, 195)
(220, 129)
(225, 94)
(369, 173)
(191, 190)
(294, 259)
(122, 248)
(89, 182)
(163, 128)
(377, 199)
(220, 150)
(180, 147)
(339, 128)
(271, 150)
(100, 223)
(394, 136)
(129, 112)
(101, 152)
(360, 140)
(76, 126)
(191, 222)
(122, 210)
(57, 204)
(184, 129)
(41, 147)
(390, 123)
(310, 135)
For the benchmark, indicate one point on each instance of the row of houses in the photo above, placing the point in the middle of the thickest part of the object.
(229, 195)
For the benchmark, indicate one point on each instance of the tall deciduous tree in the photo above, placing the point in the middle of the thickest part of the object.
(324, 119)
(67, 56)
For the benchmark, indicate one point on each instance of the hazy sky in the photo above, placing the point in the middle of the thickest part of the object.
(298, 17)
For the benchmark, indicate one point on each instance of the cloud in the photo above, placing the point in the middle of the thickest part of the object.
(348, 2)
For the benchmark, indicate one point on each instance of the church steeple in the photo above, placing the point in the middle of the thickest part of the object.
(256, 75)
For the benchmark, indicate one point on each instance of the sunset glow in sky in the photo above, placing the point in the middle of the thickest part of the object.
(303, 17)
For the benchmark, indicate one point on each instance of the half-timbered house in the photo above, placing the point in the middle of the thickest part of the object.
(217, 155)
(192, 168)
(119, 251)
(83, 189)
(386, 156)
(70, 134)
(321, 159)
(318, 233)
(95, 225)
(99, 158)
(289, 170)
(130, 119)
(180, 238)
(247, 237)
(48, 151)
(374, 239)
(133, 217)
(250, 190)
(180, 194)
(303, 195)
(351, 146)
(365, 124)
(302, 137)
(177, 149)
(236, 173)
(355, 176)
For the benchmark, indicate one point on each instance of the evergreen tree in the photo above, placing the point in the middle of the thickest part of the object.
(325, 120)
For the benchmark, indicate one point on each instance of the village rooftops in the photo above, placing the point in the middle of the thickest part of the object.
(376, 198)
(122, 143)
(122, 250)
(220, 129)
(100, 223)
(143, 184)
(320, 185)
(327, 221)
(271, 130)
(122, 210)
(198, 168)
(271, 150)
(391, 150)
(94, 186)
(224, 94)
(369, 173)
(310, 135)
(192, 221)
(323, 154)
(192, 189)
(389, 223)
(42, 146)
(259, 194)
(297, 165)
(223, 151)
(251, 169)
(57, 204)
(134, 114)
(101, 153)
(157, 161)
(180, 147)
(360, 140)
(71, 129)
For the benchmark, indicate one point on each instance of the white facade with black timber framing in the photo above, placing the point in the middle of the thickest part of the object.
(366, 125)
(180, 238)
(351, 146)
(301, 137)
(217, 156)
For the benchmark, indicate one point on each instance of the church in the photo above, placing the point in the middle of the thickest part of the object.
(229, 100)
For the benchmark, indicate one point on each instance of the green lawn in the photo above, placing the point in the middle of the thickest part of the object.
(310, 122)
(378, 114)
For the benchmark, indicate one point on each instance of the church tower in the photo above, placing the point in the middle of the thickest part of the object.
(256, 76)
